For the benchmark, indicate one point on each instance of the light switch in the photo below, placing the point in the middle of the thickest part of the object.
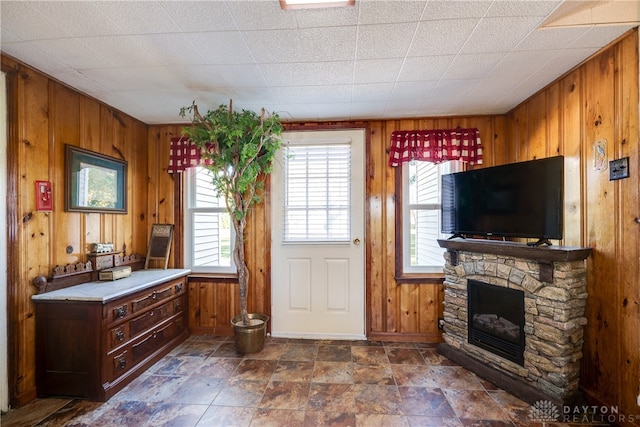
(619, 169)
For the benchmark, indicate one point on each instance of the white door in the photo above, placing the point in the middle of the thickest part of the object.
(317, 249)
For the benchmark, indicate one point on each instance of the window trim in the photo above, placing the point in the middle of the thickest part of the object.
(400, 275)
(187, 242)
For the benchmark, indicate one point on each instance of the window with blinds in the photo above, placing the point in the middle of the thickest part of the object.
(208, 229)
(421, 215)
(317, 192)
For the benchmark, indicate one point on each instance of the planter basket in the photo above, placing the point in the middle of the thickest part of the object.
(250, 338)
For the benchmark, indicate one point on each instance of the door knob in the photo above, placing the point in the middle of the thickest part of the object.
(356, 241)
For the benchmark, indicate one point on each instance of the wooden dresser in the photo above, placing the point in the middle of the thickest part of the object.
(93, 339)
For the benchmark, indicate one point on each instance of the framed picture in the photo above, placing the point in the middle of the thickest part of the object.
(94, 182)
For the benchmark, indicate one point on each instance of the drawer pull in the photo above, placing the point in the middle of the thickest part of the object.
(120, 335)
(122, 362)
(120, 312)
(154, 295)
(177, 305)
(179, 287)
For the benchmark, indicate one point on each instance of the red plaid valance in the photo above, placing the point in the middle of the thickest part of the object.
(435, 146)
(183, 154)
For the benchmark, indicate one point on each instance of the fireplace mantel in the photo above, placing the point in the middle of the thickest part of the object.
(553, 279)
(543, 254)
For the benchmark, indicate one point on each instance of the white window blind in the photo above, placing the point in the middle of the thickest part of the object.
(317, 192)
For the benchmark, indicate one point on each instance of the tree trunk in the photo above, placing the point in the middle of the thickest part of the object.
(243, 271)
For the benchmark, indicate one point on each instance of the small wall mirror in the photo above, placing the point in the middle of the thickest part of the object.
(94, 182)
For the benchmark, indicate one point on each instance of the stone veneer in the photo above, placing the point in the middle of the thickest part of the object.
(555, 294)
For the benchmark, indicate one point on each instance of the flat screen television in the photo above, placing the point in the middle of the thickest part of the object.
(523, 199)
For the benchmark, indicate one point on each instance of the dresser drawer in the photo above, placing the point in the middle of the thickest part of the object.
(120, 363)
(118, 336)
(151, 298)
(118, 311)
(149, 318)
(157, 337)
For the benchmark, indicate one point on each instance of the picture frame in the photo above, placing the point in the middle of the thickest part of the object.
(94, 182)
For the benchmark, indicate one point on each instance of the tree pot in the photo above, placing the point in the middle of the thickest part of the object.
(250, 338)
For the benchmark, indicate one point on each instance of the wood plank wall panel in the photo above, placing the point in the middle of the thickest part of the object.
(49, 115)
(570, 119)
(597, 100)
(599, 117)
(628, 197)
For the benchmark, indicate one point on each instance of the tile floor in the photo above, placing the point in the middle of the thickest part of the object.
(204, 382)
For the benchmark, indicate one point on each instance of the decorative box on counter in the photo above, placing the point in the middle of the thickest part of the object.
(115, 273)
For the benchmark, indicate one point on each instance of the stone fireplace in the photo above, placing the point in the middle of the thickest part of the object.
(551, 282)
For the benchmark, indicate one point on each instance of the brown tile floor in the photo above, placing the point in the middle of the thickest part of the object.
(203, 382)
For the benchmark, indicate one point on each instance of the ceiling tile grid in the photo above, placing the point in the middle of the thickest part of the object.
(376, 59)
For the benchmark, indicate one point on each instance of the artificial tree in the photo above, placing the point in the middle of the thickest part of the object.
(238, 148)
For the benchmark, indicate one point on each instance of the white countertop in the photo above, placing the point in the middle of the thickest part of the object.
(105, 291)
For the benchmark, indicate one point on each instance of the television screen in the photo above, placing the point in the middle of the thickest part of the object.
(522, 199)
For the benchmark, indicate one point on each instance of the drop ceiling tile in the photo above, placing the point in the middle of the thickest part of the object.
(73, 53)
(425, 68)
(565, 60)
(453, 88)
(550, 38)
(441, 37)
(523, 8)
(8, 38)
(390, 12)
(262, 96)
(367, 110)
(374, 92)
(384, 40)
(329, 17)
(334, 111)
(493, 85)
(25, 23)
(200, 16)
(411, 90)
(121, 51)
(448, 9)
(522, 63)
(313, 94)
(499, 34)
(472, 66)
(240, 75)
(291, 112)
(224, 47)
(306, 45)
(78, 18)
(81, 82)
(135, 17)
(168, 49)
(128, 79)
(601, 35)
(195, 77)
(34, 57)
(377, 70)
(313, 74)
(260, 15)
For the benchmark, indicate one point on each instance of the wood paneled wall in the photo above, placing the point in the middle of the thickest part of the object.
(598, 100)
(44, 115)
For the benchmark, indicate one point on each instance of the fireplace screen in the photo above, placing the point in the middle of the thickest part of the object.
(496, 319)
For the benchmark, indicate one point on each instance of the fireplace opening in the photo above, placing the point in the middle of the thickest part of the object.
(496, 319)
